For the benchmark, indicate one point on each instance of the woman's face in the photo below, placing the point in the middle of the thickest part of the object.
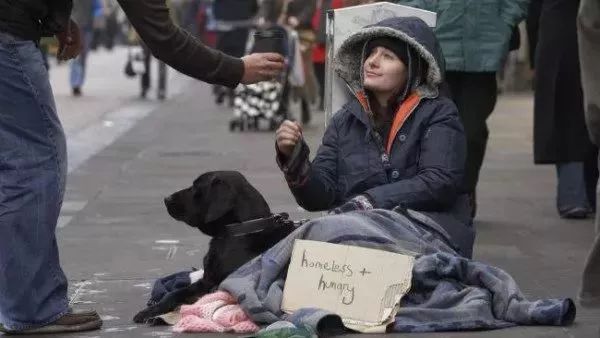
(384, 72)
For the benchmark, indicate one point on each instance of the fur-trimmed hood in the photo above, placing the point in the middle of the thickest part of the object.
(412, 30)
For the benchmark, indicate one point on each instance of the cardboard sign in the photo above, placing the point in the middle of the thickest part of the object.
(363, 286)
(343, 22)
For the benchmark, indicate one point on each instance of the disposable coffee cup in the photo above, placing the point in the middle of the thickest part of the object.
(269, 41)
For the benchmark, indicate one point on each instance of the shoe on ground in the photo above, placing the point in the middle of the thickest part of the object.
(77, 91)
(73, 321)
(575, 213)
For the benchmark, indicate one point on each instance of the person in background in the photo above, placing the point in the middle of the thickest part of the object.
(146, 77)
(475, 41)
(299, 17)
(234, 19)
(33, 155)
(589, 54)
(560, 134)
(83, 14)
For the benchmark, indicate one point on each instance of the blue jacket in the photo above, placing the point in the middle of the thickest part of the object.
(424, 168)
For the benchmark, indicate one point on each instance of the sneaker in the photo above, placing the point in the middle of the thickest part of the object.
(73, 321)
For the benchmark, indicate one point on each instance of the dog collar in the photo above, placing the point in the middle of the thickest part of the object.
(257, 225)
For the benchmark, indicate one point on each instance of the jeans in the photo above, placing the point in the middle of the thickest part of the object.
(572, 191)
(78, 65)
(33, 167)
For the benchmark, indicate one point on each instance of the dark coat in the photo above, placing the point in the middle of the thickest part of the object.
(32, 19)
(560, 133)
(423, 170)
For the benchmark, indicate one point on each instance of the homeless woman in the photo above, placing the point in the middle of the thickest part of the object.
(397, 145)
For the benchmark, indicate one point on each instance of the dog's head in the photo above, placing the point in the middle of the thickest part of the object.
(215, 199)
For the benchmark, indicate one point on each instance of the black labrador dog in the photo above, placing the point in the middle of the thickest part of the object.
(226, 207)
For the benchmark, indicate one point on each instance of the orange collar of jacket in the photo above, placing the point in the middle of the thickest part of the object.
(402, 114)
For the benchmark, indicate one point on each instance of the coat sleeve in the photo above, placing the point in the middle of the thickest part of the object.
(440, 167)
(514, 11)
(57, 19)
(314, 184)
(178, 48)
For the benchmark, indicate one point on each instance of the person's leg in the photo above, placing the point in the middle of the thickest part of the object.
(590, 170)
(76, 76)
(571, 197)
(145, 78)
(33, 168)
(78, 65)
(33, 287)
(589, 54)
(475, 103)
(589, 294)
(320, 74)
(162, 80)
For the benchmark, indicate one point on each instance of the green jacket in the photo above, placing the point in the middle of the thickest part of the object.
(474, 34)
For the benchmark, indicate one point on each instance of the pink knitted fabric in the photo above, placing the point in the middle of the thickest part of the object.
(215, 312)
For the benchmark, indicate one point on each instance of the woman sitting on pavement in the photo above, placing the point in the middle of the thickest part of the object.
(396, 145)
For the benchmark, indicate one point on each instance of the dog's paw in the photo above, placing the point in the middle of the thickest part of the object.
(144, 316)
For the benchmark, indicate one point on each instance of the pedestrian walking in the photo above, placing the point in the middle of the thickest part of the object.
(560, 134)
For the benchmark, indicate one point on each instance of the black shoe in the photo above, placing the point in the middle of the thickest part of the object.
(574, 213)
(73, 321)
(77, 91)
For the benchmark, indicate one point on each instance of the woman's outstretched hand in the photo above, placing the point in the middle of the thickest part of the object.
(287, 136)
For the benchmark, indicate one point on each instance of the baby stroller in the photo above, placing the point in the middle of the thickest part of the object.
(266, 101)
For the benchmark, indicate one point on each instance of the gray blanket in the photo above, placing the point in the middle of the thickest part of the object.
(448, 292)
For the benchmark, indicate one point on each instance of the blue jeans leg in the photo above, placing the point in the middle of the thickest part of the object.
(572, 191)
(33, 166)
(79, 64)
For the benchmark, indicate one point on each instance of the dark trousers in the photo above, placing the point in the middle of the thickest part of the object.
(147, 76)
(475, 96)
(320, 75)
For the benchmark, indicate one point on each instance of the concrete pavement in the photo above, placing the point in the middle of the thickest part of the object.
(116, 237)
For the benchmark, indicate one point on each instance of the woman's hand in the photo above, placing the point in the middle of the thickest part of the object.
(287, 136)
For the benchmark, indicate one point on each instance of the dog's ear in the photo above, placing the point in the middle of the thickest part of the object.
(222, 199)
